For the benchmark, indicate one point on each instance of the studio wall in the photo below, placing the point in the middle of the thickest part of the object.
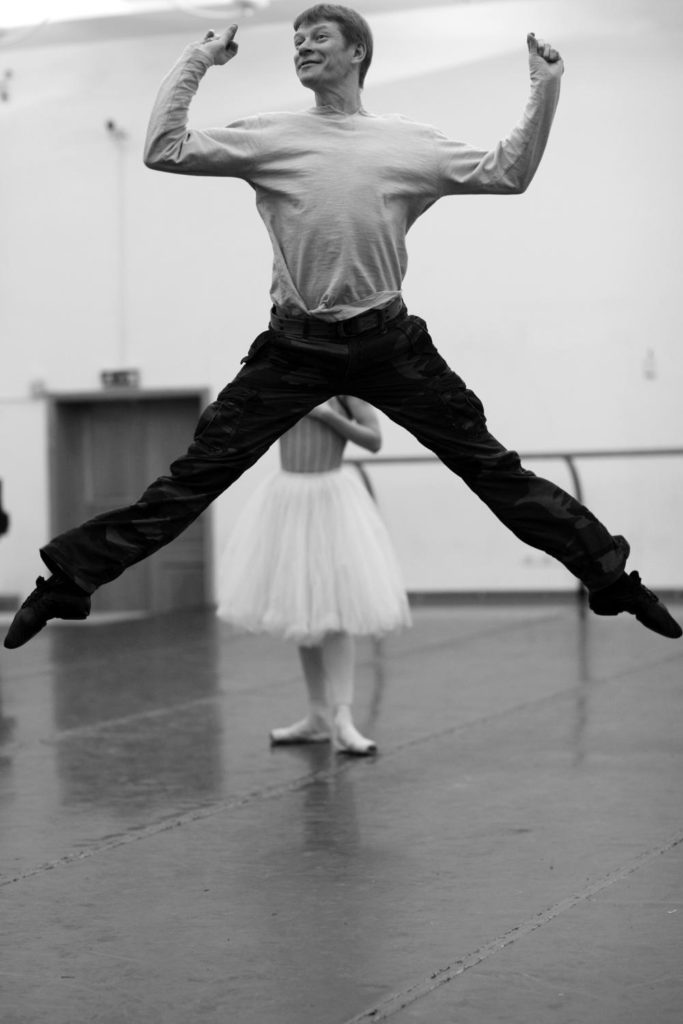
(559, 307)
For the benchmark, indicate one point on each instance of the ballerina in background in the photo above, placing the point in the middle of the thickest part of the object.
(310, 560)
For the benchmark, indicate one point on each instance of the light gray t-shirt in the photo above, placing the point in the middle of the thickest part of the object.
(338, 192)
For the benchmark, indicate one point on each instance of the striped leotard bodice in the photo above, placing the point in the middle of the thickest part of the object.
(312, 446)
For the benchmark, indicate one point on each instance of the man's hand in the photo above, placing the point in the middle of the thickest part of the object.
(220, 48)
(543, 55)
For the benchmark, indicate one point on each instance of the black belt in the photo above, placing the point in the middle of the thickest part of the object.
(312, 327)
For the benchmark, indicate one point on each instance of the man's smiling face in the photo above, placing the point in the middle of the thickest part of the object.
(323, 58)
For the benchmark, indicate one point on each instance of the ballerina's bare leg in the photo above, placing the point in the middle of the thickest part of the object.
(315, 727)
(338, 657)
(329, 674)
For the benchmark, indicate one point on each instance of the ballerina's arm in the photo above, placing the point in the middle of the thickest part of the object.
(363, 429)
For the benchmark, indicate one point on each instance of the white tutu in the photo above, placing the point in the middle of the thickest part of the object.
(310, 555)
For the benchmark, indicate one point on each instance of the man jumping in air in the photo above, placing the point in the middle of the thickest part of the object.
(338, 188)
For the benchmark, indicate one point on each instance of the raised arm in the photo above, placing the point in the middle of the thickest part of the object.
(170, 145)
(509, 167)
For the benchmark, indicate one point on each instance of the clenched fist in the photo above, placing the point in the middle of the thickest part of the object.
(221, 48)
(543, 53)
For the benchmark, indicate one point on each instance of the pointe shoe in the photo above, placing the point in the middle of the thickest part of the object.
(305, 731)
(347, 740)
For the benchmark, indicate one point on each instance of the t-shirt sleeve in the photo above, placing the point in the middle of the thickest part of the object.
(509, 167)
(171, 146)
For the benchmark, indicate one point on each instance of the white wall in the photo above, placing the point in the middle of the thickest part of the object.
(558, 307)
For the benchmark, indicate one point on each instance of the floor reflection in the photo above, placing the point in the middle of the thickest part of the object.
(583, 687)
(169, 759)
(136, 722)
(7, 730)
(329, 820)
(111, 728)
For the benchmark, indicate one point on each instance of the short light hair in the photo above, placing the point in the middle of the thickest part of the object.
(353, 25)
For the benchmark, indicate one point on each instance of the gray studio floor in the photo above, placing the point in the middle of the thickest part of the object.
(512, 855)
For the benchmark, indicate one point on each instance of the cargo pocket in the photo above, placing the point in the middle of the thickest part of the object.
(219, 422)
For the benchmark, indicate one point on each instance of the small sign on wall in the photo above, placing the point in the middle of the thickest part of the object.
(120, 378)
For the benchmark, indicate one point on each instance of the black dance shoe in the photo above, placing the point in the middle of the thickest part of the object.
(628, 594)
(56, 598)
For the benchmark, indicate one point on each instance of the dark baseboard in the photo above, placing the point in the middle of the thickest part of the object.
(445, 598)
(425, 598)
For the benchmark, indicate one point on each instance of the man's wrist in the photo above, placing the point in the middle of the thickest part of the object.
(195, 53)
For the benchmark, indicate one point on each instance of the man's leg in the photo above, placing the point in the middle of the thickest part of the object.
(416, 388)
(266, 398)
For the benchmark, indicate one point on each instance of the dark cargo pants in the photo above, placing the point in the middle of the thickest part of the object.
(397, 370)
